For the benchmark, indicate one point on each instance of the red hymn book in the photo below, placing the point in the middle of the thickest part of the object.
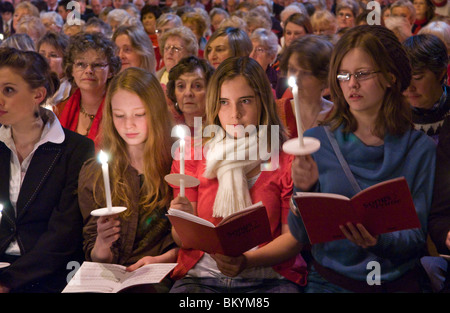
(382, 208)
(234, 235)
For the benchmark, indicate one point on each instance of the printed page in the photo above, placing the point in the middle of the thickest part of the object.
(96, 277)
(148, 274)
(320, 195)
(190, 217)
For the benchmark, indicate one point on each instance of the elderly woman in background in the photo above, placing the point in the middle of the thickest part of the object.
(324, 23)
(440, 29)
(174, 45)
(32, 26)
(117, 17)
(135, 48)
(227, 42)
(257, 18)
(346, 13)
(52, 21)
(186, 89)
(167, 21)
(95, 24)
(164, 22)
(23, 9)
(90, 62)
(52, 47)
(217, 15)
(73, 29)
(197, 23)
(265, 48)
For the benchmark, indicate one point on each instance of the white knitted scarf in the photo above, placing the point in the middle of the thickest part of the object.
(230, 160)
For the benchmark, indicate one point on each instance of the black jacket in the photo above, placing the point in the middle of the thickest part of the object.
(48, 226)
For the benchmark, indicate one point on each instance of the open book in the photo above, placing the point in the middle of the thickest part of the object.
(112, 278)
(382, 208)
(235, 234)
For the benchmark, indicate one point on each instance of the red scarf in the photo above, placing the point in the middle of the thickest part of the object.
(69, 116)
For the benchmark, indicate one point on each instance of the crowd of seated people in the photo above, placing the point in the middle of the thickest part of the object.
(78, 77)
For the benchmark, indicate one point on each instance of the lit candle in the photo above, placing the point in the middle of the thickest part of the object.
(293, 83)
(1, 209)
(103, 158)
(180, 133)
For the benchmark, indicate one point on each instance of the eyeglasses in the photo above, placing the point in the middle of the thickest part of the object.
(259, 50)
(359, 76)
(345, 15)
(82, 66)
(175, 49)
(160, 31)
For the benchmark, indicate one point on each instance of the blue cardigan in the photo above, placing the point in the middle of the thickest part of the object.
(412, 156)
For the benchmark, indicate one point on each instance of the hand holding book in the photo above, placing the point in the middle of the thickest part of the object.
(359, 235)
(384, 207)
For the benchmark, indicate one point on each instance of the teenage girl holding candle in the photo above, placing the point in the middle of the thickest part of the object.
(373, 132)
(134, 127)
(240, 96)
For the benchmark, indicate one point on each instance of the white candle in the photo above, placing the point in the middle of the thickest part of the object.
(293, 83)
(103, 157)
(1, 209)
(182, 144)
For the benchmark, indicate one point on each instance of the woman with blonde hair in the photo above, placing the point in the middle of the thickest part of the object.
(32, 26)
(136, 134)
(227, 42)
(175, 44)
(324, 22)
(198, 24)
(135, 48)
(23, 9)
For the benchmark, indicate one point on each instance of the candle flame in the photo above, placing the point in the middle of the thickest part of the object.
(102, 157)
(1, 208)
(180, 131)
(292, 82)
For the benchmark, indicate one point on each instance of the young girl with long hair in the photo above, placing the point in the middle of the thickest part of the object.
(136, 134)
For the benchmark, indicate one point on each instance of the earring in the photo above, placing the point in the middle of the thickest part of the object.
(177, 108)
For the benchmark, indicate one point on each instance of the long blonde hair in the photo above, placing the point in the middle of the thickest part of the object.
(157, 150)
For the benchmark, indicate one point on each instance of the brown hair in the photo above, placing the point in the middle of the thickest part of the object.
(387, 53)
(257, 80)
(32, 67)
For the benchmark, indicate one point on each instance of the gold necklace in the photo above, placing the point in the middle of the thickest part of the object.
(90, 116)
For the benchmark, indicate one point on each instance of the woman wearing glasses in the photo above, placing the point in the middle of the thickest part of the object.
(346, 13)
(175, 44)
(90, 63)
(265, 48)
(372, 128)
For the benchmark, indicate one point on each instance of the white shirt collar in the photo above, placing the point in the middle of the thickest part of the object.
(52, 132)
